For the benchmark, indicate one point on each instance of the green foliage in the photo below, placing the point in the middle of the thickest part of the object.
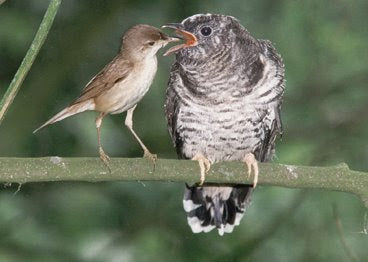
(29, 58)
(323, 44)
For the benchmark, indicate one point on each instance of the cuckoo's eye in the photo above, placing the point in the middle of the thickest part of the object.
(206, 31)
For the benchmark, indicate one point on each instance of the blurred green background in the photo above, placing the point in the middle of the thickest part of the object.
(324, 47)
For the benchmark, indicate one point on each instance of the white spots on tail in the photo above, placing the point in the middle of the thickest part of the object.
(221, 230)
(228, 228)
(189, 205)
(196, 225)
(238, 217)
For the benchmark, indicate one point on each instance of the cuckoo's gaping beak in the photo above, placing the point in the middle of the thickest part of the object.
(190, 39)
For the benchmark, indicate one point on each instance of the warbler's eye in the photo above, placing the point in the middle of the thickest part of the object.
(206, 31)
(151, 43)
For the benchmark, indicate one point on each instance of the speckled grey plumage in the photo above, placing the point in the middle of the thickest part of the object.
(223, 101)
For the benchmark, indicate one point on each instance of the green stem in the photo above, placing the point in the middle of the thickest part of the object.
(28, 60)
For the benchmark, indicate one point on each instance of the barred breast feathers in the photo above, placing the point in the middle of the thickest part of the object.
(205, 84)
(223, 101)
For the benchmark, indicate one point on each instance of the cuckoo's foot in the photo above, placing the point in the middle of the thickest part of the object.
(152, 157)
(204, 165)
(105, 158)
(251, 161)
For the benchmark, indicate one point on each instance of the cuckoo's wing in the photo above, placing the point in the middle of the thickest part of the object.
(117, 70)
(272, 120)
(172, 107)
(273, 128)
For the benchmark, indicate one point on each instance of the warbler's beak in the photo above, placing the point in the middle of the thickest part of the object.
(166, 38)
(173, 39)
(190, 39)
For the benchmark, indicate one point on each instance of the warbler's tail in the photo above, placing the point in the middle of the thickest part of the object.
(69, 111)
(212, 206)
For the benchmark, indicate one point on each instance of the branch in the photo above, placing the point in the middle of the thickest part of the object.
(338, 178)
(28, 60)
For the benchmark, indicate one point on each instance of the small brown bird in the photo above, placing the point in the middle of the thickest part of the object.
(122, 83)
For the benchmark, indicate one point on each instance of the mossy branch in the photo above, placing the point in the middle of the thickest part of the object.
(28, 60)
(24, 170)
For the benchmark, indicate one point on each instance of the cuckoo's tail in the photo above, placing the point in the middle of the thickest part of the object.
(69, 111)
(212, 206)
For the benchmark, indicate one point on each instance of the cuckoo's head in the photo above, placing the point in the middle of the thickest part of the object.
(208, 36)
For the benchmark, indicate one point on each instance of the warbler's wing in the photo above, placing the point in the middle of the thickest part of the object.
(117, 70)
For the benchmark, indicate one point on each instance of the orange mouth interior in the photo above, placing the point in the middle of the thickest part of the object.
(190, 40)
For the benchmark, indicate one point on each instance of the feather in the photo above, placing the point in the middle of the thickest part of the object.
(69, 111)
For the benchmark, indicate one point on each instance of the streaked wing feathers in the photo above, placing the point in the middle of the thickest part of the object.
(117, 70)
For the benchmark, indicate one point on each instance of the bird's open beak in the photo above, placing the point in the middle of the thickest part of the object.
(166, 38)
(190, 39)
(172, 39)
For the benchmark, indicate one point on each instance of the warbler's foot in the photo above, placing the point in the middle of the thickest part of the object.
(204, 165)
(152, 157)
(105, 158)
(251, 161)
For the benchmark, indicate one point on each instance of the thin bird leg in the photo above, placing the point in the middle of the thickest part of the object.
(251, 161)
(204, 165)
(105, 158)
(129, 124)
